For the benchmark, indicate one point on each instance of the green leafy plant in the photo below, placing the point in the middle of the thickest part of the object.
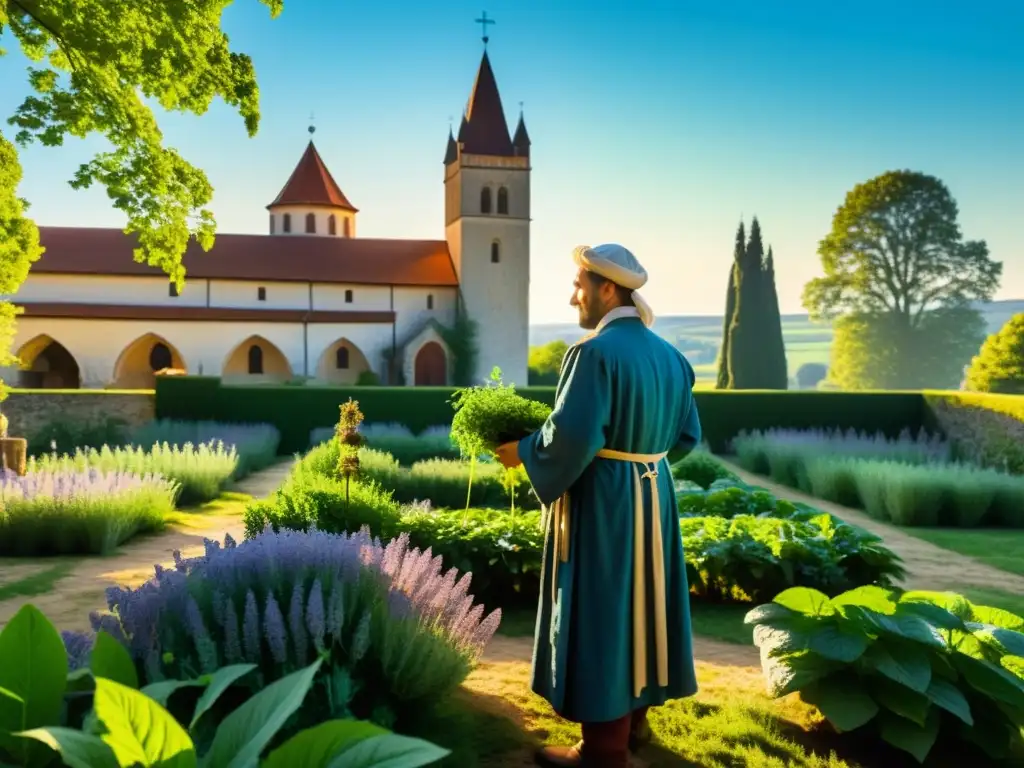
(491, 415)
(702, 468)
(349, 442)
(131, 727)
(906, 666)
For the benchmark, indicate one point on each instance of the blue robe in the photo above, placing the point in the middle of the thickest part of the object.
(626, 389)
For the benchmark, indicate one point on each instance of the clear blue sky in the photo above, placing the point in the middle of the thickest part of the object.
(654, 124)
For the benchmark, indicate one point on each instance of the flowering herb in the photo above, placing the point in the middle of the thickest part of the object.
(349, 442)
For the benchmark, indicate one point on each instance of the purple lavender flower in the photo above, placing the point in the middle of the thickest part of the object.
(232, 640)
(274, 629)
(297, 625)
(361, 640)
(315, 619)
(79, 646)
(251, 628)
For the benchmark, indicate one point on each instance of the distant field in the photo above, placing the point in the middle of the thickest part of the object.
(700, 337)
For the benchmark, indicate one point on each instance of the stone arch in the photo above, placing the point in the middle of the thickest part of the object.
(139, 363)
(342, 363)
(431, 366)
(45, 363)
(270, 362)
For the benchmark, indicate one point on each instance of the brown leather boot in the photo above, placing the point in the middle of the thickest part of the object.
(561, 757)
(604, 745)
(640, 730)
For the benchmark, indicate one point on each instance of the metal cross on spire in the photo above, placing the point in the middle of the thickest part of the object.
(483, 21)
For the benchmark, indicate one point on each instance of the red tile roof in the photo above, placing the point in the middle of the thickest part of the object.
(293, 258)
(312, 184)
(141, 312)
(484, 130)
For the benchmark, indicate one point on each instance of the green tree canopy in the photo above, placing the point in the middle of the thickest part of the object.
(899, 273)
(999, 366)
(545, 362)
(94, 65)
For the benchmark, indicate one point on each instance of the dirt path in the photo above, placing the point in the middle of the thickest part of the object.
(928, 566)
(82, 589)
(503, 649)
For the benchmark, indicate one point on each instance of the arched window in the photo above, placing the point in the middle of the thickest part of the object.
(485, 200)
(160, 357)
(341, 358)
(256, 357)
(286, 223)
(332, 225)
(310, 224)
(271, 223)
(495, 252)
(430, 301)
(348, 296)
(502, 200)
(347, 227)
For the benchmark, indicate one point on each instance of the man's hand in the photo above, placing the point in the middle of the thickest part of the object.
(508, 455)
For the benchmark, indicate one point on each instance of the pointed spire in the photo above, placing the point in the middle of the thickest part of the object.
(521, 141)
(451, 154)
(484, 130)
(312, 184)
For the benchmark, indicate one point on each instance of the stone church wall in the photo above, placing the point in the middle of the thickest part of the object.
(28, 412)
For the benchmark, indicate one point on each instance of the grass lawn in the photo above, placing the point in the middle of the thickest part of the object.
(228, 504)
(1001, 548)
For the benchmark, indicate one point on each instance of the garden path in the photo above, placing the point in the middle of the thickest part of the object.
(518, 649)
(928, 566)
(81, 590)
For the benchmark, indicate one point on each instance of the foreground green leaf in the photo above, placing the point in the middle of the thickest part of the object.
(220, 681)
(944, 694)
(901, 700)
(111, 660)
(910, 737)
(905, 665)
(809, 602)
(33, 673)
(76, 749)
(843, 700)
(389, 751)
(244, 734)
(162, 690)
(869, 597)
(991, 681)
(316, 747)
(139, 730)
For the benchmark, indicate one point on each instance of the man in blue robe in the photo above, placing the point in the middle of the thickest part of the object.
(613, 630)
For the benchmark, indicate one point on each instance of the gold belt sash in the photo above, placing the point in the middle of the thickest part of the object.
(559, 515)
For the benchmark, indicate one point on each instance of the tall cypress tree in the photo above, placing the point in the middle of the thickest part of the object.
(746, 334)
(776, 372)
(724, 380)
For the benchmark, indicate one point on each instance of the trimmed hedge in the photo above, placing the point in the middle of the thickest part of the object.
(297, 410)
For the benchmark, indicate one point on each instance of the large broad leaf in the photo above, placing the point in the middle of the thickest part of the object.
(872, 598)
(786, 674)
(904, 664)
(809, 602)
(316, 747)
(389, 751)
(111, 660)
(908, 736)
(76, 749)
(138, 729)
(1006, 641)
(769, 612)
(33, 672)
(997, 617)
(80, 680)
(838, 643)
(162, 690)
(991, 681)
(244, 734)
(843, 700)
(220, 681)
(901, 700)
(935, 615)
(949, 601)
(944, 694)
(910, 627)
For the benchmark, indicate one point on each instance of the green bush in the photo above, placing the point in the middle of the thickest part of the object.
(987, 430)
(63, 435)
(999, 365)
(400, 442)
(731, 499)
(903, 666)
(701, 468)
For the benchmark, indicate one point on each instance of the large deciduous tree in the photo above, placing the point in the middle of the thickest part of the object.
(901, 281)
(94, 65)
(999, 365)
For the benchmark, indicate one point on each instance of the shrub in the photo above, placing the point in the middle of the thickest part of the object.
(255, 444)
(906, 666)
(749, 558)
(490, 415)
(200, 471)
(981, 435)
(904, 482)
(809, 375)
(395, 632)
(999, 365)
(69, 512)
(62, 435)
(701, 468)
(729, 501)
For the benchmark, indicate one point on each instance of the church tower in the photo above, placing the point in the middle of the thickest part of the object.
(487, 226)
(311, 202)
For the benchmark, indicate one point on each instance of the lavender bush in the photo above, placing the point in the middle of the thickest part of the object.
(982, 436)
(255, 444)
(200, 471)
(77, 512)
(395, 630)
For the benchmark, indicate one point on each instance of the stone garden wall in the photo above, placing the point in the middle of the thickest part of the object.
(28, 412)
